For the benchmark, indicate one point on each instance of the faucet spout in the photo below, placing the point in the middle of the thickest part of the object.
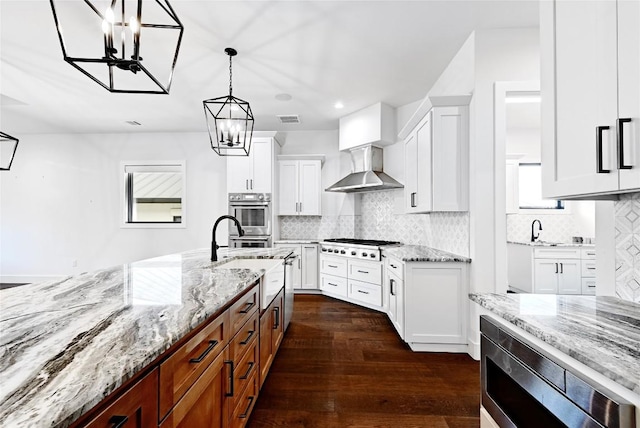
(534, 235)
(214, 245)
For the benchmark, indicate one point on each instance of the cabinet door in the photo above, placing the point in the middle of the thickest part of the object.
(204, 404)
(310, 187)
(435, 303)
(138, 407)
(288, 186)
(262, 159)
(578, 65)
(277, 333)
(309, 264)
(450, 165)
(629, 89)
(266, 353)
(569, 276)
(545, 276)
(411, 174)
(239, 171)
(423, 199)
(396, 303)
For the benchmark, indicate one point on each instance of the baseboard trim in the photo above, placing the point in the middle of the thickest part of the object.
(439, 347)
(474, 349)
(29, 279)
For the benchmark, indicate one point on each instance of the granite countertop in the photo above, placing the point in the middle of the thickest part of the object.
(600, 332)
(297, 241)
(552, 244)
(65, 345)
(420, 253)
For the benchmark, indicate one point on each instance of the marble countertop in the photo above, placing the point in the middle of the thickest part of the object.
(419, 253)
(296, 241)
(601, 332)
(65, 345)
(552, 244)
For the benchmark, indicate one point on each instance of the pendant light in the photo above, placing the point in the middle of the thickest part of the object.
(229, 120)
(8, 147)
(102, 39)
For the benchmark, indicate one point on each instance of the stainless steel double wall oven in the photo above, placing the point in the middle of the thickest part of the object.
(254, 211)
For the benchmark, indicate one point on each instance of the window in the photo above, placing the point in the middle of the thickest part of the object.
(154, 194)
(530, 189)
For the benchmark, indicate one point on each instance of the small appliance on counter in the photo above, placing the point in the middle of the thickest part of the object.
(254, 211)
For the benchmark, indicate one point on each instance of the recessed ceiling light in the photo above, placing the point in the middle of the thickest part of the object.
(283, 97)
(338, 105)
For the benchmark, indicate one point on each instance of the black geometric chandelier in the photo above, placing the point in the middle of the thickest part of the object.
(8, 146)
(103, 39)
(229, 120)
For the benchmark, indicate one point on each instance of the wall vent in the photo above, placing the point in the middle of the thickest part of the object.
(289, 118)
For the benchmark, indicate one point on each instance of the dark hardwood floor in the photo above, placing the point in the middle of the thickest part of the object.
(341, 365)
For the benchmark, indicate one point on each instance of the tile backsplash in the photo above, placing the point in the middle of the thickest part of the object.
(555, 227)
(627, 223)
(446, 231)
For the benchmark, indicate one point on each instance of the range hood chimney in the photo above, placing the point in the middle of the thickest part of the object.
(368, 175)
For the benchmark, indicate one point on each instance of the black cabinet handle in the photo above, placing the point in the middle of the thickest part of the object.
(556, 267)
(561, 268)
(246, 375)
(363, 292)
(276, 309)
(621, 164)
(413, 199)
(363, 271)
(231, 386)
(118, 421)
(248, 307)
(331, 283)
(333, 266)
(391, 285)
(599, 168)
(246, 412)
(244, 342)
(212, 344)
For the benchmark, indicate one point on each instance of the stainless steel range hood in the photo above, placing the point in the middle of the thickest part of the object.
(368, 175)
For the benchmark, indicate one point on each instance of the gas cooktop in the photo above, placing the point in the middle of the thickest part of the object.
(370, 242)
(357, 248)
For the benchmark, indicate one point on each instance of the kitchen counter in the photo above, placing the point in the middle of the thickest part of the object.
(297, 241)
(601, 332)
(552, 244)
(420, 253)
(68, 344)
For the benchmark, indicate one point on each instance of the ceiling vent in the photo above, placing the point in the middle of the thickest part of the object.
(289, 118)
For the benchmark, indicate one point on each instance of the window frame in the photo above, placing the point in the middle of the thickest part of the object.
(125, 195)
(559, 208)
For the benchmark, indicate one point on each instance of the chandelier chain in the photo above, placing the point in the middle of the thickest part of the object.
(230, 76)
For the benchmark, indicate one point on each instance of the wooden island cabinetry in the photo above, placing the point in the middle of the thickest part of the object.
(210, 378)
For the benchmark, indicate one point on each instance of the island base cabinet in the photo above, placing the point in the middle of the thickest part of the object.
(245, 403)
(136, 408)
(271, 334)
(204, 404)
(435, 297)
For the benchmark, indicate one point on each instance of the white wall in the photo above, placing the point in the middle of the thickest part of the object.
(61, 202)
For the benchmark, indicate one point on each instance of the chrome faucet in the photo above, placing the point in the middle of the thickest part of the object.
(535, 236)
(214, 245)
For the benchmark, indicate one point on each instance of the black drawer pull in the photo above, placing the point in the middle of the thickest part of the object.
(393, 266)
(118, 421)
(231, 386)
(333, 266)
(363, 271)
(212, 344)
(246, 375)
(276, 309)
(244, 342)
(331, 283)
(248, 307)
(391, 286)
(246, 412)
(363, 292)
(599, 168)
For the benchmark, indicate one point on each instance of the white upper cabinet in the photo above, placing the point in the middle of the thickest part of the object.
(300, 187)
(436, 161)
(253, 173)
(590, 83)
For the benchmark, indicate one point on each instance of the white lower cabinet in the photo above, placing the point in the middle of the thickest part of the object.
(557, 276)
(394, 301)
(333, 285)
(305, 269)
(356, 281)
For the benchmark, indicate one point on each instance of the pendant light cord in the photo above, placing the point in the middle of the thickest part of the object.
(230, 76)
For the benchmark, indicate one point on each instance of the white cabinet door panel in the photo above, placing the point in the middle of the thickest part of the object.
(309, 260)
(569, 277)
(411, 174)
(423, 198)
(309, 189)
(545, 273)
(261, 155)
(288, 186)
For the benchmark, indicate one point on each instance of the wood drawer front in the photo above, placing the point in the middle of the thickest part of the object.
(589, 286)
(556, 253)
(333, 266)
(243, 309)
(365, 271)
(245, 403)
(244, 370)
(138, 404)
(589, 253)
(368, 293)
(396, 266)
(242, 340)
(205, 403)
(588, 268)
(184, 366)
(334, 284)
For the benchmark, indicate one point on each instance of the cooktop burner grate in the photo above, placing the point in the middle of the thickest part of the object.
(372, 242)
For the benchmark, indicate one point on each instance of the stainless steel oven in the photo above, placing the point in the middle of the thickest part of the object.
(523, 388)
(253, 210)
(250, 242)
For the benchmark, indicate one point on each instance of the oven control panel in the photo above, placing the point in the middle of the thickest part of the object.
(249, 197)
(352, 252)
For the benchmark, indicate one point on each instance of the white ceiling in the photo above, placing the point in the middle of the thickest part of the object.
(319, 52)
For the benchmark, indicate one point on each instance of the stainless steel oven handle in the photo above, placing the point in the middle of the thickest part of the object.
(249, 204)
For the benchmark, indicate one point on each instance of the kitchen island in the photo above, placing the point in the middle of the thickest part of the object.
(66, 345)
(597, 337)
